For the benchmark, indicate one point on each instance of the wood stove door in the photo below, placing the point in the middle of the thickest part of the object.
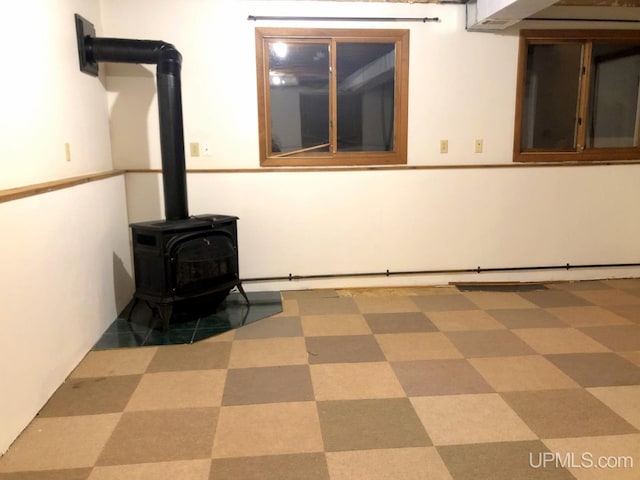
(203, 262)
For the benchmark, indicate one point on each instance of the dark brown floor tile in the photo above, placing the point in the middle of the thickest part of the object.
(554, 298)
(500, 461)
(270, 328)
(327, 306)
(441, 303)
(526, 318)
(597, 369)
(73, 474)
(633, 291)
(307, 466)
(439, 377)
(161, 436)
(245, 386)
(619, 338)
(566, 413)
(344, 349)
(176, 470)
(489, 343)
(630, 312)
(196, 356)
(267, 429)
(90, 396)
(367, 424)
(402, 322)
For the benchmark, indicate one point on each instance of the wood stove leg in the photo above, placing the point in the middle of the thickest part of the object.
(243, 293)
(164, 313)
(133, 306)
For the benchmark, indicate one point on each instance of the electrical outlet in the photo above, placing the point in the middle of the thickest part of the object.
(444, 146)
(478, 145)
(67, 151)
(206, 150)
(195, 149)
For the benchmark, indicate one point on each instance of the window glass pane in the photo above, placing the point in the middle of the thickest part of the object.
(613, 113)
(550, 104)
(299, 96)
(365, 103)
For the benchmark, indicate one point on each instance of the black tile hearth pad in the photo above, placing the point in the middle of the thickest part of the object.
(232, 313)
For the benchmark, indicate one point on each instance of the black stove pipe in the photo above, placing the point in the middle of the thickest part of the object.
(93, 50)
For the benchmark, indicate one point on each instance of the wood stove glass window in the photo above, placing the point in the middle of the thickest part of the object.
(332, 97)
(578, 96)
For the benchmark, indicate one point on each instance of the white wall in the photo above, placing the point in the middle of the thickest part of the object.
(65, 254)
(461, 88)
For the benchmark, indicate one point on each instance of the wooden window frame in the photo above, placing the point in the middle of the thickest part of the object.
(580, 154)
(334, 158)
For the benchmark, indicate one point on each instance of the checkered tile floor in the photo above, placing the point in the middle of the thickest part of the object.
(416, 383)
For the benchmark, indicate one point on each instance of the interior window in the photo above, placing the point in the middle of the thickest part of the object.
(578, 96)
(332, 97)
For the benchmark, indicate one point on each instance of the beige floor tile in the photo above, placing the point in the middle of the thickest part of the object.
(530, 372)
(268, 429)
(633, 357)
(580, 285)
(386, 304)
(327, 306)
(388, 464)
(289, 308)
(559, 340)
(182, 470)
(120, 361)
(416, 346)
(60, 443)
(498, 300)
(609, 296)
(478, 418)
(399, 322)
(329, 325)
(268, 352)
(167, 390)
(348, 381)
(443, 303)
(619, 454)
(588, 316)
(464, 320)
(625, 401)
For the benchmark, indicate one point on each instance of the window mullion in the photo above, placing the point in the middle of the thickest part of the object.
(583, 104)
(333, 98)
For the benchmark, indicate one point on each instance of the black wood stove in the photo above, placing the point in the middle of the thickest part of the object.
(183, 259)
